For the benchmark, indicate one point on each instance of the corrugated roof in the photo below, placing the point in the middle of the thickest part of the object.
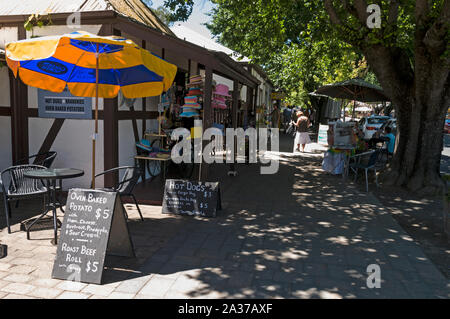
(134, 9)
(138, 11)
(24, 7)
(190, 35)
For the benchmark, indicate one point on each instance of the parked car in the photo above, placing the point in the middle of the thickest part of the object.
(447, 126)
(370, 124)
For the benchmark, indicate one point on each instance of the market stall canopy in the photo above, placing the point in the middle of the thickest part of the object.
(354, 89)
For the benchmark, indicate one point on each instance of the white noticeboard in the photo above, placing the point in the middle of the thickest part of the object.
(343, 135)
(322, 137)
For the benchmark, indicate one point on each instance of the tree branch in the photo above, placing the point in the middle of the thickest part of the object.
(361, 10)
(422, 10)
(332, 12)
(435, 38)
(349, 8)
(393, 12)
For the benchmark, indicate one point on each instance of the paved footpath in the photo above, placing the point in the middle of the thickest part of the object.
(298, 234)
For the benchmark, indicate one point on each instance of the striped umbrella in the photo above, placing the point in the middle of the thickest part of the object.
(90, 66)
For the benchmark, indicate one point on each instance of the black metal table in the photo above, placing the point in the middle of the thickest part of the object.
(51, 175)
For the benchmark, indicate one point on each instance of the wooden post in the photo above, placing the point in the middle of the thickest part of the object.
(19, 117)
(234, 118)
(207, 117)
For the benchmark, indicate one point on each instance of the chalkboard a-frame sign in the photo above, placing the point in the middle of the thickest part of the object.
(94, 225)
(191, 198)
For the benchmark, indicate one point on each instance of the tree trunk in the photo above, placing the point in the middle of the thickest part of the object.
(420, 104)
(416, 162)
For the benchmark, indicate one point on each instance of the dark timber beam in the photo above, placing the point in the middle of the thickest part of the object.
(19, 117)
(51, 136)
(5, 111)
(110, 140)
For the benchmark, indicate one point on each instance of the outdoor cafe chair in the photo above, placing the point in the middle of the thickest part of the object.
(45, 159)
(15, 186)
(126, 185)
(371, 164)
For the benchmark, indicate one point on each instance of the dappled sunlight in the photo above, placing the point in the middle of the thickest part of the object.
(300, 233)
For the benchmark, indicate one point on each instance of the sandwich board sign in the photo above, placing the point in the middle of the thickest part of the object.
(191, 198)
(94, 225)
(322, 137)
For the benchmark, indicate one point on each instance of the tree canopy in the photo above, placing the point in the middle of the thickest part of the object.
(297, 55)
(406, 44)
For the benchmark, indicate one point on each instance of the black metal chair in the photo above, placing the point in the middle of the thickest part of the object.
(43, 159)
(20, 187)
(126, 185)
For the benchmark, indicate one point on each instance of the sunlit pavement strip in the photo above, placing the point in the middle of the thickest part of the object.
(298, 234)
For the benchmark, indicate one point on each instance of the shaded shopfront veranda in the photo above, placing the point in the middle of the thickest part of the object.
(199, 60)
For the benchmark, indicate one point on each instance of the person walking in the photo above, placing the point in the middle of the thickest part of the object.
(302, 135)
(275, 114)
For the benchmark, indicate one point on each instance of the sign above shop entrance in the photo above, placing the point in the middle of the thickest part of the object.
(63, 105)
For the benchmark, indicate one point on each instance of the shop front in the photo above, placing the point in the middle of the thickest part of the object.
(124, 123)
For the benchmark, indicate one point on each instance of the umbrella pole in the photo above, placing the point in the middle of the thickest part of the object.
(96, 118)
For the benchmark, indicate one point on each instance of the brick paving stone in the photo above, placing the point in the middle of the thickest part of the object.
(139, 296)
(133, 285)
(240, 278)
(18, 278)
(288, 245)
(18, 288)
(157, 286)
(45, 293)
(71, 286)
(45, 282)
(72, 295)
(22, 269)
(184, 284)
(120, 295)
(99, 290)
(24, 254)
(24, 261)
(175, 294)
(16, 296)
(4, 266)
(4, 283)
